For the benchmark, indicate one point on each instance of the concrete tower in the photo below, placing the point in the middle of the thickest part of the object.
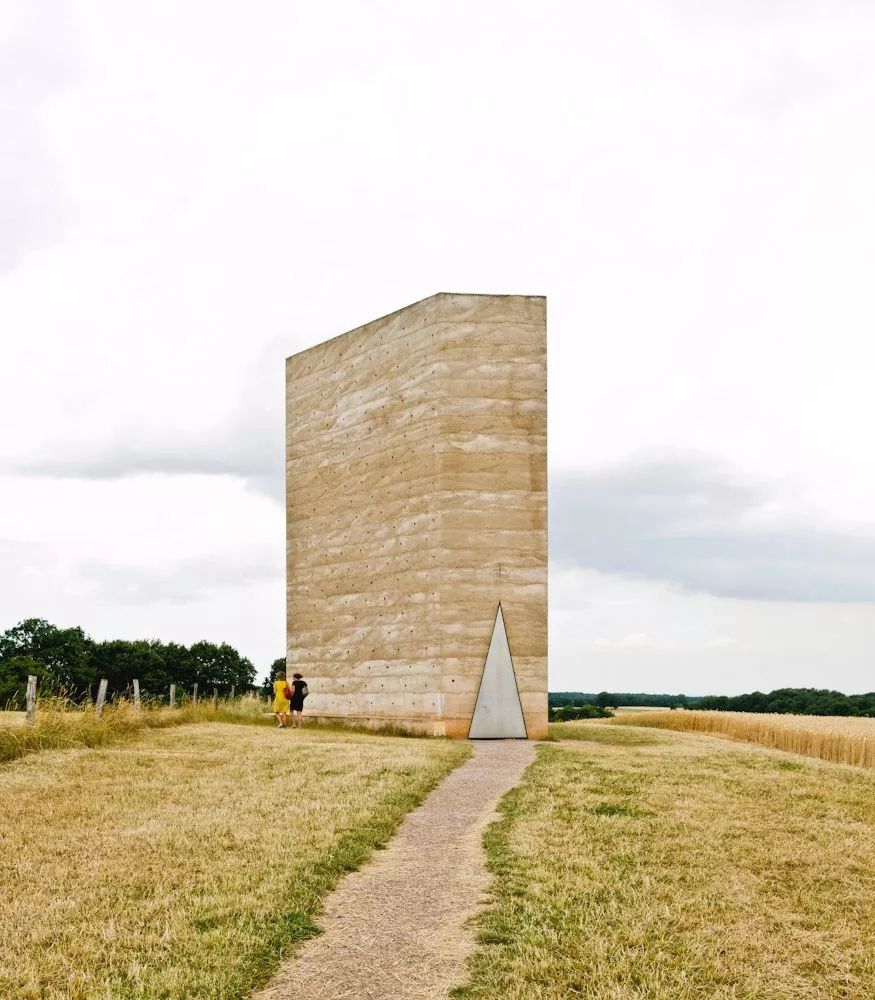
(416, 492)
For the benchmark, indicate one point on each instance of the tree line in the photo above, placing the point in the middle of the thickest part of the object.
(783, 701)
(613, 699)
(569, 713)
(794, 701)
(67, 661)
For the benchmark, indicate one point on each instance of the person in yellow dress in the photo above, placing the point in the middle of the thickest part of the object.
(280, 701)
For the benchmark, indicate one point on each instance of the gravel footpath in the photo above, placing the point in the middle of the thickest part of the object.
(396, 930)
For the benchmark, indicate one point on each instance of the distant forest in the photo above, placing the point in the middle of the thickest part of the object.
(612, 699)
(784, 701)
(795, 701)
(67, 661)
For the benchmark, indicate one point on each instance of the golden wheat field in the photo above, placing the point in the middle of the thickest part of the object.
(834, 738)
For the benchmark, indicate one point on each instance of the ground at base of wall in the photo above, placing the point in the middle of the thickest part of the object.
(381, 727)
(456, 729)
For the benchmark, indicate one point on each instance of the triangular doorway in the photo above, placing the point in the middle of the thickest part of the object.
(498, 714)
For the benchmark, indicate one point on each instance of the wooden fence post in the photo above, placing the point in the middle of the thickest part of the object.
(172, 695)
(101, 698)
(31, 699)
(136, 694)
(194, 696)
(215, 699)
(233, 689)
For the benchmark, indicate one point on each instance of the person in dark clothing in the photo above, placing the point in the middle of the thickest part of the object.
(299, 693)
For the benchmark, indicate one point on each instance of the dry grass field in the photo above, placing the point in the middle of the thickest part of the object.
(841, 740)
(60, 724)
(643, 864)
(185, 864)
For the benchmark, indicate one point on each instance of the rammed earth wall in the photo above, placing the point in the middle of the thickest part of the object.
(416, 502)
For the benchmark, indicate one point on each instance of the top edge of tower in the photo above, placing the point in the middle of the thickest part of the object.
(446, 296)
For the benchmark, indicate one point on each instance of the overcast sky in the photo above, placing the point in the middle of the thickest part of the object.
(191, 192)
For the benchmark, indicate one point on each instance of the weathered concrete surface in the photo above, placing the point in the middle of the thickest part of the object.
(416, 502)
(497, 711)
(396, 930)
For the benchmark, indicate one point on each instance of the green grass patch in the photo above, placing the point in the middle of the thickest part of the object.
(679, 872)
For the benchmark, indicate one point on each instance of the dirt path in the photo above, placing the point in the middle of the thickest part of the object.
(395, 930)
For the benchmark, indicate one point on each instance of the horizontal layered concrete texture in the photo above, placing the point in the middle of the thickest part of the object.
(416, 504)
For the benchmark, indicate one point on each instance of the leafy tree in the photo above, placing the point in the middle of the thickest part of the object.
(275, 668)
(64, 654)
(13, 680)
(121, 661)
(795, 701)
(565, 713)
(69, 661)
(221, 667)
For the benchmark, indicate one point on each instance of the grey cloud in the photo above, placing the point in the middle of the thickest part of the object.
(226, 450)
(247, 445)
(691, 521)
(179, 582)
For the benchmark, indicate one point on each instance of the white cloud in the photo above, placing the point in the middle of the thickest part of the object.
(37, 60)
(246, 442)
(190, 194)
(635, 639)
(721, 642)
(701, 524)
(173, 557)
